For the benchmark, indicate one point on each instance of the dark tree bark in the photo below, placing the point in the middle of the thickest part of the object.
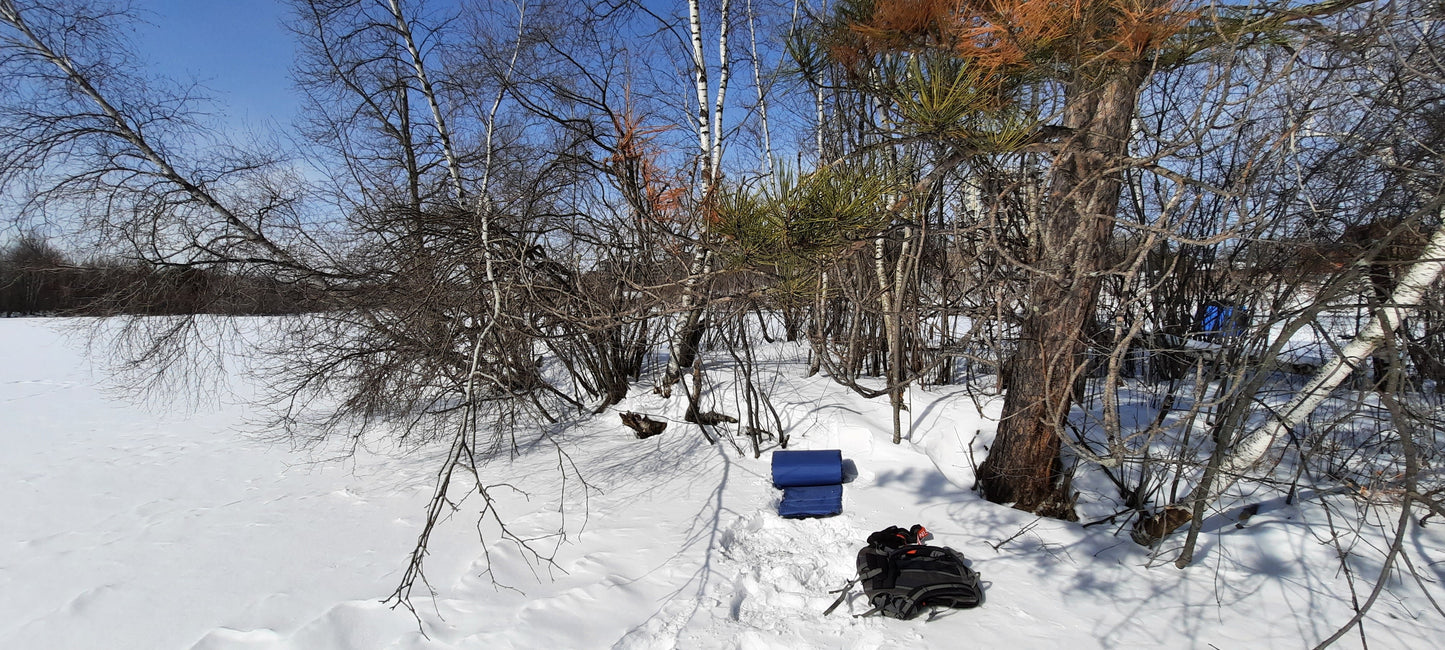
(1023, 467)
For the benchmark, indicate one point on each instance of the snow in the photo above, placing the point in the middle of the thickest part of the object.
(135, 526)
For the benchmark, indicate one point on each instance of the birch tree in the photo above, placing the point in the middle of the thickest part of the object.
(1236, 463)
(710, 140)
(1389, 83)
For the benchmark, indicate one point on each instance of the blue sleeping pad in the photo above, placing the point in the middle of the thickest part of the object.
(811, 467)
(811, 501)
(811, 480)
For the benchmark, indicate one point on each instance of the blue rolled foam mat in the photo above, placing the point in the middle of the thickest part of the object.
(811, 501)
(809, 467)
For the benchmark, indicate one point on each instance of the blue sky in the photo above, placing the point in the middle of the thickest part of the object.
(237, 48)
(241, 51)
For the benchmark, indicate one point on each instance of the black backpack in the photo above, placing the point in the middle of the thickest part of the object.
(903, 577)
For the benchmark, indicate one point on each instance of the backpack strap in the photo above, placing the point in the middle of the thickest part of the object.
(963, 595)
(871, 612)
(843, 593)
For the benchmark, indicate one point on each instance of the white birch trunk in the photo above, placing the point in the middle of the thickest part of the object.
(1248, 451)
(709, 137)
(724, 72)
(699, 71)
(418, 65)
(484, 199)
(819, 117)
(762, 94)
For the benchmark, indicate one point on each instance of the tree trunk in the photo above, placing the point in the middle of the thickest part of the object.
(709, 133)
(1023, 467)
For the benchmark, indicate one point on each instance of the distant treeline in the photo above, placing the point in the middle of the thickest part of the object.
(38, 279)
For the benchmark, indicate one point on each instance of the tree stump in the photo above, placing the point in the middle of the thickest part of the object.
(645, 427)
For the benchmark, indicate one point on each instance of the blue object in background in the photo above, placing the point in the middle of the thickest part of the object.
(812, 482)
(1218, 318)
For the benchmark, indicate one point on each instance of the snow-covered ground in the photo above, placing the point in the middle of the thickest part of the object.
(134, 526)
